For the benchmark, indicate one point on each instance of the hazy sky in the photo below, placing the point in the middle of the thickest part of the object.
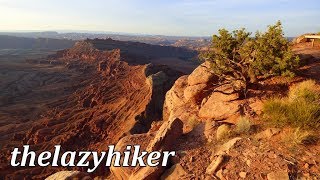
(167, 17)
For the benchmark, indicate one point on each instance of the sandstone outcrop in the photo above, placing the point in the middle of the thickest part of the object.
(193, 93)
(162, 140)
(198, 95)
(220, 105)
(105, 100)
(201, 75)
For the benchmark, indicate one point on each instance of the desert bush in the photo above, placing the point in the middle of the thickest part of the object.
(243, 125)
(223, 132)
(238, 59)
(300, 109)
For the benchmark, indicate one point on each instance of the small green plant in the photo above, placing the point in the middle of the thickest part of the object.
(243, 125)
(300, 109)
(223, 132)
(300, 137)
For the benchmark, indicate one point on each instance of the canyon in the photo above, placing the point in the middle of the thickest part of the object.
(80, 98)
(104, 92)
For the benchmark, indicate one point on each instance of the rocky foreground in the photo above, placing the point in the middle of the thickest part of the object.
(159, 109)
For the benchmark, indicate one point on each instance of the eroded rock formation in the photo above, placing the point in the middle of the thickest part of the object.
(114, 99)
(161, 140)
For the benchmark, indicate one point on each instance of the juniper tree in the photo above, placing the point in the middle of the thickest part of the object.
(237, 59)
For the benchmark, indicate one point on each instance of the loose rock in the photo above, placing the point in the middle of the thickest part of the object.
(280, 175)
(64, 175)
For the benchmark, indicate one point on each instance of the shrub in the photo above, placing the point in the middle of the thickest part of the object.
(237, 59)
(243, 125)
(300, 109)
(223, 132)
(272, 53)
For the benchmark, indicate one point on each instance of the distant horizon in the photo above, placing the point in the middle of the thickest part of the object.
(114, 33)
(187, 18)
(98, 32)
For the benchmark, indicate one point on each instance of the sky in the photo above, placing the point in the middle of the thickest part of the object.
(159, 17)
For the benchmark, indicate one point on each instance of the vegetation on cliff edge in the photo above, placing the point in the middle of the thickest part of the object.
(237, 59)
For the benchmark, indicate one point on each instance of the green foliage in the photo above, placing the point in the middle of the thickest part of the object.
(272, 53)
(300, 109)
(237, 58)
(243, 125)
(225, 56)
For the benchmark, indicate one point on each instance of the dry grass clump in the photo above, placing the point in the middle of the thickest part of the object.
(243, 125)
(300, 137)
(307, 90)
(300, 109)
(223, 132)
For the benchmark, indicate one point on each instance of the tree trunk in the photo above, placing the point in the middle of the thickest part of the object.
(252, 76)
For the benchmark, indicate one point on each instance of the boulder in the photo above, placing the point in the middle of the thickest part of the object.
(176, 105)
(174, 97)
(225, 148)
(279, 175)
(220, 106)
(175, 172)
(64, 175)
(194, 92)
(166, 135)
(122, 173)
(160, 141)
(201, 75)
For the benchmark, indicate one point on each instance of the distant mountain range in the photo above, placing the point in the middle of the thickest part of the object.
(13, 42)
(194, 43)
(177, 41)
